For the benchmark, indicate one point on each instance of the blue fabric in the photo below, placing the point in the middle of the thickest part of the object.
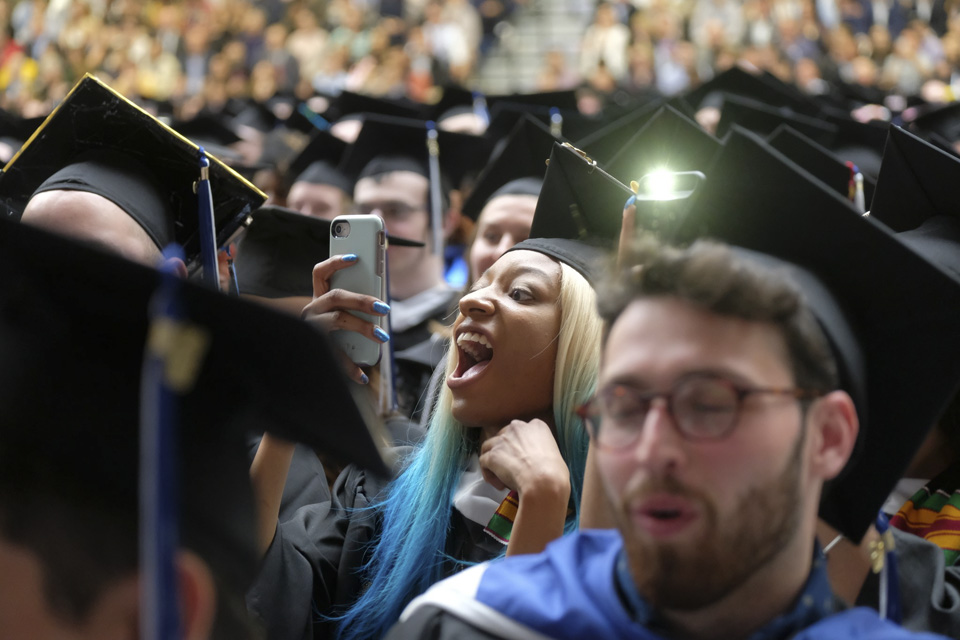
(570, 591)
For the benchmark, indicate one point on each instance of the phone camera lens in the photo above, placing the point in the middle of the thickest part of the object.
(339, 229)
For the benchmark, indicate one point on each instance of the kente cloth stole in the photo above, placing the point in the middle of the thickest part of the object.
(501, 524)
(933, 513)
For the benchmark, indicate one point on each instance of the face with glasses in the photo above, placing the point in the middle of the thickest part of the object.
(706, 450)
(401, 199)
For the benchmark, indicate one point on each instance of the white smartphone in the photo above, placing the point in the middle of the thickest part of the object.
(364, 236)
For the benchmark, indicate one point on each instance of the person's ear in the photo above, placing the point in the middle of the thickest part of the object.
(198, 596)
(833, 425)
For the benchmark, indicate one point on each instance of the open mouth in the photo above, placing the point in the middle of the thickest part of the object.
(475, 353)
(665, 517)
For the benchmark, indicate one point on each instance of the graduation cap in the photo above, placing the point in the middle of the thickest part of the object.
(351, 103)
(74, 325)
(764, 119)
(914, 198)
(822, 163)
(605, 142)
(96, 140)
(388, 144)
(940, 119)
(669, 141)
(883, 308)
(570, 124)
(255, 115)
(565, 100)
(858, 142)
(276, 257)
(15, 129)
(522, 155)
(318, 163)
(762, 87)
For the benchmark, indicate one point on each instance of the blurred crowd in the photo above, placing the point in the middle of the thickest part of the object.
(907, 47)
(197, 54)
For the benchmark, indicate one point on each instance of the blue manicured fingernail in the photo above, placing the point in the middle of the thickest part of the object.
(632, 199)
(364, 379)
(350, 257)
(380, 307)
(381, 334)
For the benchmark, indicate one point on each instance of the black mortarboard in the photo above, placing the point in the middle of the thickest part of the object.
(764, 119)
(858, 142)
(942, 119)
(96, 140)
(565, 100)
(255, 115)
(522, 155)
(351, 103)
(669, 141)
(579, 213)
(319, 161)
(206, 128)
(400, 144)
(277, 254)
(15, 129)
(763, 87)
(605, 142)
(915, 182)
(572, 124)
(818, 160)
(883, 307)
(454, 99)
(74, 325)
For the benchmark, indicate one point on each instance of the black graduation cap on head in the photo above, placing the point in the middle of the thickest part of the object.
(763, 119)
(858, 142)
(818, 160)
(400, 144)
(521, 155)
(669, 141)
(579, 212)
(882, 306)
(914, 183)
(319, 161)
(572, 124)
(255, 115)
(351, 103)
(942, 119)
(74, 324)
(604, 143)
(565, 100)
(96, 140)
(277, 254)
(763, 87)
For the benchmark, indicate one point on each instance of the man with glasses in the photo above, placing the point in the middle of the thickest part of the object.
(717, 420)
(737, 382)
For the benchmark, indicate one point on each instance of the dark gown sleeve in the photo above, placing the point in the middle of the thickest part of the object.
(306, 481)
(929, 591)
(310, 569)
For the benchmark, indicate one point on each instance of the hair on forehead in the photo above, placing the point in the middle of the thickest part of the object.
(711, 276)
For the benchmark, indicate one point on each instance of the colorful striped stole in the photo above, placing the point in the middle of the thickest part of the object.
(933, 513)
(501, 524)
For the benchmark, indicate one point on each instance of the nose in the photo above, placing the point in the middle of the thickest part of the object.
(660, 447)
(476, 303)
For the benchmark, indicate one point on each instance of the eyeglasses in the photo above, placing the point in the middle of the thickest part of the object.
(702, 406)
(388, 210)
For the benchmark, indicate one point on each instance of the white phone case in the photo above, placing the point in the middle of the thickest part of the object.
(367, 240)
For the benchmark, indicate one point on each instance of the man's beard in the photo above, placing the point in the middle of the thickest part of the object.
(732, 548)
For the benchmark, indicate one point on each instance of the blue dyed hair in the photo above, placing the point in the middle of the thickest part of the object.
(408, 553)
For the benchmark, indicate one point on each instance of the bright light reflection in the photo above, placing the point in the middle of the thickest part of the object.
(660, 185)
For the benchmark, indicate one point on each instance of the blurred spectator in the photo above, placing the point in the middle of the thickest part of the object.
(603, 50)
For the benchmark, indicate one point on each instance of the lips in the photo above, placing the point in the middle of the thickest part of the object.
(665, 516)
(474, 354)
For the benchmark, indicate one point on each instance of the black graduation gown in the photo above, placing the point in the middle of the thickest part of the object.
(310, 569)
